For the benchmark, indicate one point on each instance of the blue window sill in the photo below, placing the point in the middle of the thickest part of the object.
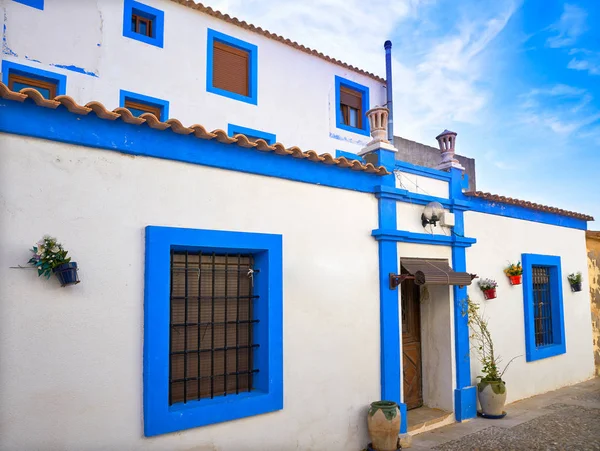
(543, 352)
(231, 95)
(348, 128)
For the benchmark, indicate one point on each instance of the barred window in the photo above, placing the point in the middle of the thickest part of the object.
(542, 309)
(211, 333)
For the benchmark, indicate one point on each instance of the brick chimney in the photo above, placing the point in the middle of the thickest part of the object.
(447, 141)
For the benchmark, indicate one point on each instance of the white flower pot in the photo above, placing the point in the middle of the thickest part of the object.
(492, 397)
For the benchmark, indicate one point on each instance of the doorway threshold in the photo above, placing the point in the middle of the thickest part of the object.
(425, 419)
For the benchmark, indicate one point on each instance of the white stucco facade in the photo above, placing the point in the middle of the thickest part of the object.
(72, 359)
(296, 91)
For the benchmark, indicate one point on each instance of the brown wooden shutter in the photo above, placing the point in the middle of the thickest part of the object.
(230, 68)
(351, 98)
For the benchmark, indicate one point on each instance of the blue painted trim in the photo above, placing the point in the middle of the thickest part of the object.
(60, 80)
(348, 155)
(38, 4)
(339, 120)
(532, 352)
(403, 195)
(155, 15)
(252, 50)
(232, 130)
(527, 214)
(421, 238)
(410, 168)
(465, 403)
(163, 105)
(77, 69)
(267, 395)
(59, 125)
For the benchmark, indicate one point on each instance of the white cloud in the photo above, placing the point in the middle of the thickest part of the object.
(591, 65)
(570, 26)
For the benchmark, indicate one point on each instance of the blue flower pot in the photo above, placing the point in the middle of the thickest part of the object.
(66, 274)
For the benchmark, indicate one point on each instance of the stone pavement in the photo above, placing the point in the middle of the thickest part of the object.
(565, 419)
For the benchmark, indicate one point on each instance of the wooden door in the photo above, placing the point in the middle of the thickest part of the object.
(411, 345)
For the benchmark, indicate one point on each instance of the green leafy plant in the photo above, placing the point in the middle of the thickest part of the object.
(483, 344)
(574, 278)
(47, 255)
(487, 284)
(514, 269)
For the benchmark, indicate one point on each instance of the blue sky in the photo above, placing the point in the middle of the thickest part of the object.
(519, 81)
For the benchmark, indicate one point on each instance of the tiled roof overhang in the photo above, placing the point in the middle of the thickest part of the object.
(526, 204)
(177, 127)
(241, 23)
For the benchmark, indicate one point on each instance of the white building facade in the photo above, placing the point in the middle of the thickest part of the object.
(299, 264)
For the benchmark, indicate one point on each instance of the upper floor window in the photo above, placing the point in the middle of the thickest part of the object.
(143, 23)
(543, 304)
(38, 4)
(213, 327)
(139, 104)
(231, 67)
(352, 102)
(17, 76)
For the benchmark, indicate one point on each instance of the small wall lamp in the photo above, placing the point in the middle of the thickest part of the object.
(432, 213)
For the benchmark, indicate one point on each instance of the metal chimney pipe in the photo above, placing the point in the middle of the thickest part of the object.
(388, 84)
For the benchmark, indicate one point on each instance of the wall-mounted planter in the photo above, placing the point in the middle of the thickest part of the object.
(515, 280)
(489, 294)
(67, 274)
(575, 287)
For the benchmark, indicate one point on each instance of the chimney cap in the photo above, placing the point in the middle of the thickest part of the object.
(445, 133)
(387, 44)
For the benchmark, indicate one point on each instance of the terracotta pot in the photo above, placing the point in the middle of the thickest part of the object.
(489, 294)
(492, 396)
(383, 422)
(515, 280)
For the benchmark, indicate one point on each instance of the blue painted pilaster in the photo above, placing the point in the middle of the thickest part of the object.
(465, 404)
(391, 389)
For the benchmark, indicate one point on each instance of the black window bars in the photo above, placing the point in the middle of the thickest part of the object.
(542, 305)
(211, 325)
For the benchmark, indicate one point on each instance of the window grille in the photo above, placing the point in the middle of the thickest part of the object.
(542, 308)
(211, 334)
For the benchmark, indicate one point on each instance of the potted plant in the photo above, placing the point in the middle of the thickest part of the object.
(50, 257)
(491, 389)
(488, 286)
(383, 423)
(575, 281)
(514, 271)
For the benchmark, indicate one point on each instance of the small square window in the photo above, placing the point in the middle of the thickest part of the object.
(18, 76)
(251, 134)
(352, 102)
(139, 104)
(231, 67)
(143, 23)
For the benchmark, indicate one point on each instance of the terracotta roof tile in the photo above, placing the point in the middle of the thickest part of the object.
(527, 204)
(243, 24)
(177, 127)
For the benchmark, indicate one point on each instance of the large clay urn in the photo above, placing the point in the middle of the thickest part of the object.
(383, 422)
(492, 396)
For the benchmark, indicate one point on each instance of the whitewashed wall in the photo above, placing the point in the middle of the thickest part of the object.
(502, 240)
(71, 358)
(296, 91)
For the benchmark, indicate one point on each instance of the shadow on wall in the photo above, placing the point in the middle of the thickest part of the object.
(593, 250)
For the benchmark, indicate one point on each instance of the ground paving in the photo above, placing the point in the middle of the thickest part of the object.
(565, 419)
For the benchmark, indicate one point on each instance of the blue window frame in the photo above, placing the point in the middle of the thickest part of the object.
(348, 155)
(18, 76)
(139, 104)
(251, 133)
(361, 123)
(143, 23)
(250, 49)
(543, 305)
(267, 393)
(38, 4)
